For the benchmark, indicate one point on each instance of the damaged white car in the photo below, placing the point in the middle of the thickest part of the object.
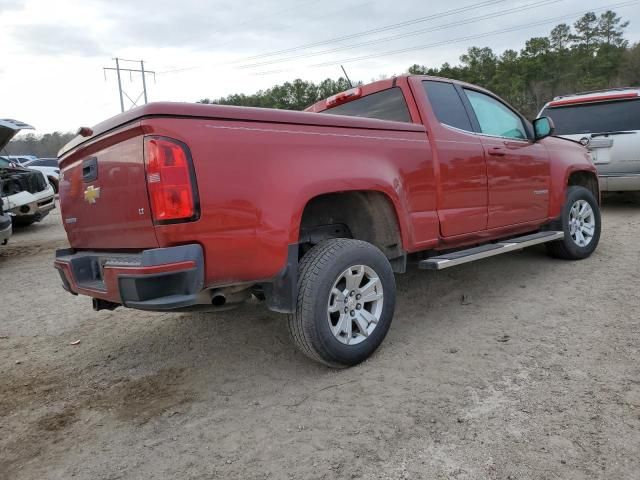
(26, 194)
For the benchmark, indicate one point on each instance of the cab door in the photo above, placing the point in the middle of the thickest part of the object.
(518, 170)
(459, 159)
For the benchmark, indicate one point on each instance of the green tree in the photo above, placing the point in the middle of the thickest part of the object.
(295, 95)
(587, 33)
(479, 66)
(611, 29)
(560, 37)
(630, 74)
(612, 48)
(42, 146)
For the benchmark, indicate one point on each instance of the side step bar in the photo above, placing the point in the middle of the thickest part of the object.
(489, 250)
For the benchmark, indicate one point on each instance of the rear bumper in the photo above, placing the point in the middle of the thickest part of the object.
(157, 279)
(621, 182)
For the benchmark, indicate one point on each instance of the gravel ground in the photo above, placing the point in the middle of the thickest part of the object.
(515, 367)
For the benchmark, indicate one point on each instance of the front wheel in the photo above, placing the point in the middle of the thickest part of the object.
(581, 225)
(346, 299)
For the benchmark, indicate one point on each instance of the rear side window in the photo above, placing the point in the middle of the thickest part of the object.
(617, 116)
(447, 105)
(385, 105)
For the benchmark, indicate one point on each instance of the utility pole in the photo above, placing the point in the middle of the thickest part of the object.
(143, 74)
(119, 85)
(144, 82)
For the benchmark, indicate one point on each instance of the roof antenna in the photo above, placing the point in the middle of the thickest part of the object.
(345, 74)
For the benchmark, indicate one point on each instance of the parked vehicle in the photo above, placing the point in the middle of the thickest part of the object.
(26, 194)
(48, 166)
(7, 162)
(21, 160)
(186, 206)
(607, 122)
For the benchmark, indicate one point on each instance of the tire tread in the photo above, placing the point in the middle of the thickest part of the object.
(301, 322)
(559, 248)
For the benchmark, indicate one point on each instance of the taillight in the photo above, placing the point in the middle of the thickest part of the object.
(171, 184)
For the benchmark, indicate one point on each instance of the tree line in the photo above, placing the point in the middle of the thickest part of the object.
(591, 54)
(42, 146)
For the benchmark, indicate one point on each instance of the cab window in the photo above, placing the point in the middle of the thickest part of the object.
(384, 105)
(447, 104)
(494, 117)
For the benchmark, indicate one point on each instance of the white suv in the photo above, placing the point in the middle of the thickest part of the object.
(607, 122)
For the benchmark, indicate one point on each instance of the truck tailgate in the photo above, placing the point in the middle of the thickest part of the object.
(103, 193)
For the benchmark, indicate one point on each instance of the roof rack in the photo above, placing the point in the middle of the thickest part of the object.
(615, 89)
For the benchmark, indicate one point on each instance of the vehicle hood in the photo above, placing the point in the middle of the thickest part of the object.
(569, 152)
(9, 128)
(558, 141)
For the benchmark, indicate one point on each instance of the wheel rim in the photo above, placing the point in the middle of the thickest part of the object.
(582, 223)
(355, 304)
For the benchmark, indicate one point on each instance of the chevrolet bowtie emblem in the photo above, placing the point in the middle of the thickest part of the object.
(91, 194)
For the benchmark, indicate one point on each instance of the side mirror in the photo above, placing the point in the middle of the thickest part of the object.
(543, 127)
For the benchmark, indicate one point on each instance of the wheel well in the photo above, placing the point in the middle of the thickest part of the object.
(363, 215)
(54, 182)
(587, 180)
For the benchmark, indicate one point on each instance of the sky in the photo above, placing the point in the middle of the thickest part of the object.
(54, 51)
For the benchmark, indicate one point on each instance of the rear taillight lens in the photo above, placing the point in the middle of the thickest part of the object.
(171, 184)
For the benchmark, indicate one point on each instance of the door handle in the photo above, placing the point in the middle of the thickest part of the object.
(90, 169)
(497, 151)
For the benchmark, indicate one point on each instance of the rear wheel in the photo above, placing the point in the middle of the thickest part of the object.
(581, 225)
(346, 299)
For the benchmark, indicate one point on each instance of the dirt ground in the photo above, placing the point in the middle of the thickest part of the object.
(534, 375)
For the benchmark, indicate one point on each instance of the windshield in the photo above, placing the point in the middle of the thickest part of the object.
(595, 117)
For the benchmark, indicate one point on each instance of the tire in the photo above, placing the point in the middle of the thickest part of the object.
(572, 247)
(337, 338)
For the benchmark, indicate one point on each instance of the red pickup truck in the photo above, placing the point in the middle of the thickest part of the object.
(175, 206)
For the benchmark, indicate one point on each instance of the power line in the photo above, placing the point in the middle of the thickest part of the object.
(406, 34)
(384, 28)
(472, 37)
(235, 26)
(123, 93)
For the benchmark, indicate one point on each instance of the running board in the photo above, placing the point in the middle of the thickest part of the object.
(489, 250)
